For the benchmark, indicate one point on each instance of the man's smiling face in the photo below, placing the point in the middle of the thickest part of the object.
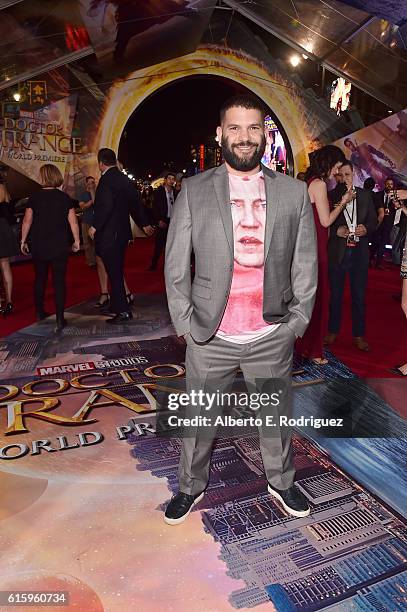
(242, 138)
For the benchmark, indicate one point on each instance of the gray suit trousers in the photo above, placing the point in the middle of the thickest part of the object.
(216, 362)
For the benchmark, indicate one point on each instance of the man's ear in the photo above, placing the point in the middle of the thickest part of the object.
(219, 134)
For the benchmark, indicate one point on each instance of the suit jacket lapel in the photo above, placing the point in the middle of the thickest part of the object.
(221, 184)
(273, 202)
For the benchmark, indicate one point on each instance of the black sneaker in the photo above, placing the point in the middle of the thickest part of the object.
(293, 501)
(180, 506)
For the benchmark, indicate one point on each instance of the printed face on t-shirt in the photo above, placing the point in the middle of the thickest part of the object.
(248, 207)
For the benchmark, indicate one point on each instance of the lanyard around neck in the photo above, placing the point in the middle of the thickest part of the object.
(350, 220)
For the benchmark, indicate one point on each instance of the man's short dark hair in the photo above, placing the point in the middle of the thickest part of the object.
(347, 163)
(107, 157)
(88, 178)
(369, 183)
(244, 101)
(167, 174)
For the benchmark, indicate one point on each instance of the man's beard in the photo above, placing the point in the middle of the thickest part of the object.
(243, 163)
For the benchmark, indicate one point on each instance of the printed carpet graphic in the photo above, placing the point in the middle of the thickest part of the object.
(84, 480)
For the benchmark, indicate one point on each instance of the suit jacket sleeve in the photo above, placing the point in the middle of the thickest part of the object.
(340, 220)
(371, 219)
(304, 270)
(178, 263)
(103, 205)
(157, 208)
(137, 212)
(378, 200)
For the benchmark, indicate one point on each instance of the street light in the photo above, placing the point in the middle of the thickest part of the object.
(17, 96)
(295, 60)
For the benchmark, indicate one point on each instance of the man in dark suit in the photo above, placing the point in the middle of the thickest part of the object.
(377, 198)
(163, 201)
(348, 251)
(116, 199)
(385, 198)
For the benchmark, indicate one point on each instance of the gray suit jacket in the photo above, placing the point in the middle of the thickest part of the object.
(202, 222)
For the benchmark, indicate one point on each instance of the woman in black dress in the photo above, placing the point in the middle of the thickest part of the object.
(50, 219)
(8, 247)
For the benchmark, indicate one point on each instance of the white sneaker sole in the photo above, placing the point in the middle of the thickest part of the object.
(299, 513)
(177, 521)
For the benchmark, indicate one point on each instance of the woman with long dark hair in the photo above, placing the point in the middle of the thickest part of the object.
(324, 164)
(51, 222)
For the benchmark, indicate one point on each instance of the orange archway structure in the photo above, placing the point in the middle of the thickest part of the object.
(126, 95)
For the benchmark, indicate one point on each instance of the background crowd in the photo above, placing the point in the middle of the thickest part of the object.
(354, 226)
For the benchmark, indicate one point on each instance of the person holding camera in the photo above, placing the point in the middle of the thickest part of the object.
(385, 228)
(348, 252)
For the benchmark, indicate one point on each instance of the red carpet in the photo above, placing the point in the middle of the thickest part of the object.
(82, 284)
(386, 324)
(386, 328)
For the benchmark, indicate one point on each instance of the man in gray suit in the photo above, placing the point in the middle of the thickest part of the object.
(253, 235)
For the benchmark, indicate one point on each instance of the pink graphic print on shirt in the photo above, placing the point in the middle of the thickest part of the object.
(244, 310)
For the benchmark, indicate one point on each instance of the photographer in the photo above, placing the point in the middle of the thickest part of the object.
(348, 252)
